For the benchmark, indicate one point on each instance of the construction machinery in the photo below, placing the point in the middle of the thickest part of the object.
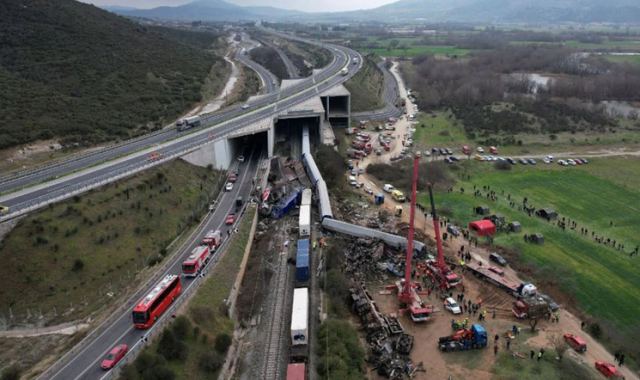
(437, 269)
(408, 290)
(464, 339)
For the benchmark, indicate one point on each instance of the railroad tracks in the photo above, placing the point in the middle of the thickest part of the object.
(276, 334)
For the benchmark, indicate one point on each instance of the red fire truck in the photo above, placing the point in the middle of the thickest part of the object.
(196, 261)
(156, 302)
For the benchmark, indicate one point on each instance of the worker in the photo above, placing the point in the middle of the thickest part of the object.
(495, 349)
(508, 344)
(531, 354)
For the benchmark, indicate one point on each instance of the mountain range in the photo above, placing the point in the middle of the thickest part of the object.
(471, 11)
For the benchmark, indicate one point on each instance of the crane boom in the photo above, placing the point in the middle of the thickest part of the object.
(407, 291)
(436, 228)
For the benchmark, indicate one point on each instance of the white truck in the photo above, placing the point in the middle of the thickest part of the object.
(300, 317)
(188, 122)
(344, 71)
(304, 226)
(306, 197)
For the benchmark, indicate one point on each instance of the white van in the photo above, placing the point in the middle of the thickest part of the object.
(388, 188)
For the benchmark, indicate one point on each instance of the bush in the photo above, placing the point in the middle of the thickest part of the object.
(342, 357)
(170, 347)
(332, 167)
(595, 330)
(181, 327)
(210, 362)
(223, 341)
(78, 265)
(11, 373)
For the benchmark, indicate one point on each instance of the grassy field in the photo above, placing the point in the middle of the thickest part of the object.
(440, 129)
(206, 316)
(366, 88)
(633, 59)
(75, 257)
(625, 44)
(596, 275)
(417, 50)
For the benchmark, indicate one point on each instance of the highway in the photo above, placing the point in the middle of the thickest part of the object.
(269, 81)
(91, 170)
(84, 363)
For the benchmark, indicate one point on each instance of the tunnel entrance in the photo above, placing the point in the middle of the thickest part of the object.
(246, 144)
(288, 135)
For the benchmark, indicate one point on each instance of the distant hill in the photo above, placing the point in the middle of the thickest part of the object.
(500, 11)
(74, 71)
(210, 10)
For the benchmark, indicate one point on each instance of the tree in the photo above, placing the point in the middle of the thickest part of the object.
(11, 373)
(393, 44)
(78, 265)
(181, 327)
(223, 341)
(170, 347)
(559, 345)
(210, 362)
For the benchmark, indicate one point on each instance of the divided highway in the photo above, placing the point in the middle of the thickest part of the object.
(84, 362)
(84, 173)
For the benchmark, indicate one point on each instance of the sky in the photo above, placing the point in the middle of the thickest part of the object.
(302, 5)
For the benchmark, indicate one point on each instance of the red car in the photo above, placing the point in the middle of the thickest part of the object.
(114, 356)
(231, 218)
(607, 369)
(575, 342)
(232, 178)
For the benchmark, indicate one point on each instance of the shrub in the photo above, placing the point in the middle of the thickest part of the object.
(181, 327)
(170, 347)
(11, 373)
(210, 362)
(223, 341)
(595, 330)
(502, 165)
(78, 265)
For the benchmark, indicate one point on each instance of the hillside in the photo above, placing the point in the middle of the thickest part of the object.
(209, 10)
(79, 73)
(497, 11)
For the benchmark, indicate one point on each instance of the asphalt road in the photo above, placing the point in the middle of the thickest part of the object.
(292, 70)
(269, 80)
(217, 126)
(85, 364)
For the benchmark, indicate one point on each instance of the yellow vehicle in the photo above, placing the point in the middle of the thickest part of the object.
(4, 210)
(478, 157)
(398, 196)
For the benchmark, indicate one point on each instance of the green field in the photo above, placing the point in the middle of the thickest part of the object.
(441, 130)
(599, 277)
(76, 257)
(633, 59)
(414, 51)
(609, 45)
(206, 317)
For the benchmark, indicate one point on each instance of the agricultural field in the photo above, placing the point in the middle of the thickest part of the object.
(601, 280)
(439, 129)
(608, 45)
(76, 257)
(632, 59)
(408, 47)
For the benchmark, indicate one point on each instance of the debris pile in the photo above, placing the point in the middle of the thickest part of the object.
(389, 345)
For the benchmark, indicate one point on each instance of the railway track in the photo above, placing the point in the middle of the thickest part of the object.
(276, 334)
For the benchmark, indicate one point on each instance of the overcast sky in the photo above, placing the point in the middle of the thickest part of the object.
(303, 5)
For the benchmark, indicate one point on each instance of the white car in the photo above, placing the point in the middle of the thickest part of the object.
(245, 106)
(451, 305)
(241, 158)
(480, 149)
(550, 158)
(368, 190)
(571, 162)
(229, 186)
(388, 188)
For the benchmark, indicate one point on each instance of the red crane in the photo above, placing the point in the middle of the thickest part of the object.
(407, 293)
(439, 271)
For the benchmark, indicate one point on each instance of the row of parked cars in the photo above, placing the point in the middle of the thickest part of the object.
(532, 161)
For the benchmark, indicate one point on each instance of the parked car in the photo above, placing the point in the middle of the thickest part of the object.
(584, 160)
(449, 151)
(480, 149)
(496, 258)
(532, 161)
(571, 162)
(241, 158)
(245, 106)
(232, 178)
(523, 161)
(229, 186)
(453, 230)
(562, 163)
(576, 342)
(454, 158)
(451, 305)
(114, 356)
(388, 188)
(230, 219)
(368, 189)
(511, 160)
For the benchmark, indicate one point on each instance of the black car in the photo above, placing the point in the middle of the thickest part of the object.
(498, 259)
(511, 161)
(443, 151)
